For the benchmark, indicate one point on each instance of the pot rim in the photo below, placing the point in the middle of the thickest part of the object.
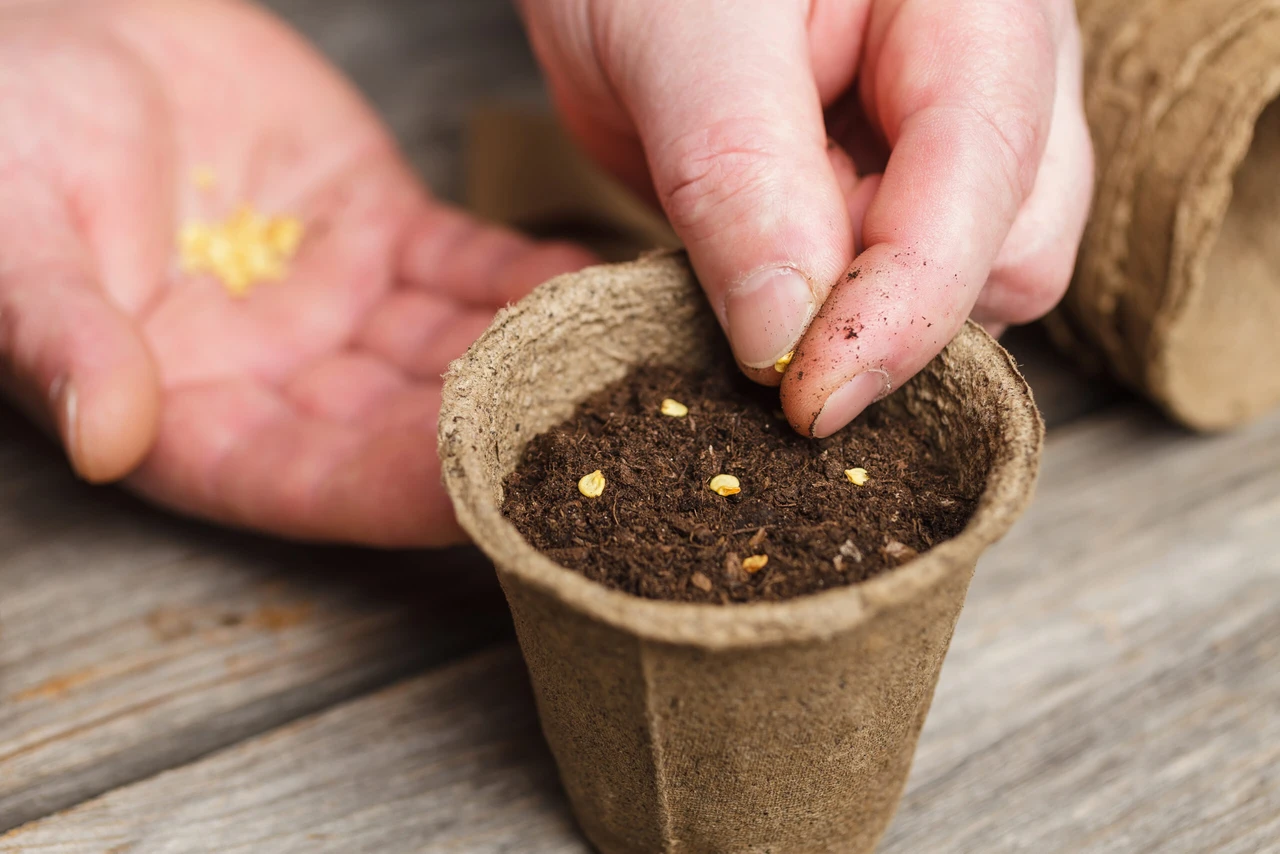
(813, 617)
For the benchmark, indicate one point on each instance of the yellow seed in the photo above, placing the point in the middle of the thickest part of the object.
(258, 260)
(194, 239)
(755, 563)
(858, 476)
(204, 178)
(284, 235)
(246, 249)
(194, 242)
(724, 484)
(674, 408)
(781, 365)
(237, 280)
(245, 224)
(592, 485)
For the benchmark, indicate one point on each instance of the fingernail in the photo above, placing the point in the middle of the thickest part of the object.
(767, 314)
(848, 401)
(63, 396)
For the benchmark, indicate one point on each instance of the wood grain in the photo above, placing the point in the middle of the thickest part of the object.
(131, 642)
(1113, 687)
(450, 762)
(1115, 682)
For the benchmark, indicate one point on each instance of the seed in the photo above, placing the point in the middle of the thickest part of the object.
(781, 365)
(284, 234)
(592, 485)
(858, 476)
(755, 563)
(242, 251)
(674, 408)
(701, 582)
(724, 484)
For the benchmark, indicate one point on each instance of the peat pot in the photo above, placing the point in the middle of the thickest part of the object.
(785, 727)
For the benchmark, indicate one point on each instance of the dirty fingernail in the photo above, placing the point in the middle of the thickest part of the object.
(767, 314)
(846, 402)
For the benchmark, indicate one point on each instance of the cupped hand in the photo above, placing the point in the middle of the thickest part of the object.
(307, 408)
(852, 178)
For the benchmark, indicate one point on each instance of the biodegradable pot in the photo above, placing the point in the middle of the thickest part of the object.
(773, 727)
(1178, 281)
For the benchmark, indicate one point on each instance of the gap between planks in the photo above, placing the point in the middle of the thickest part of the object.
(133, 641)
(1112, 687)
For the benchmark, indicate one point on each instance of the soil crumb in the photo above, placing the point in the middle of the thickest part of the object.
(659, 532)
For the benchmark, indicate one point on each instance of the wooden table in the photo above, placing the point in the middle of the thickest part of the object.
(1113, 686)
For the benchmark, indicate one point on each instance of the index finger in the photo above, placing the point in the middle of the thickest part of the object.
(964, 94)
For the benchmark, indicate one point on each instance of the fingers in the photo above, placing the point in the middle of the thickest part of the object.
(966, 135)
(77, 363)
(345, 387)
(239, 453)
(723, 95)
(457, 255)
(421, 332)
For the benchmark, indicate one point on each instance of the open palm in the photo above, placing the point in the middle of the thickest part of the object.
(308, 408)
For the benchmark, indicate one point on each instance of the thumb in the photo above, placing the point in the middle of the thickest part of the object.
(77, 363)
(723, 96)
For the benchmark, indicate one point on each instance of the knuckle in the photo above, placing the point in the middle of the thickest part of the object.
(1019, 135)
(715, 174)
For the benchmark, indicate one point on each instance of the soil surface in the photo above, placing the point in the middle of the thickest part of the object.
(659, 532)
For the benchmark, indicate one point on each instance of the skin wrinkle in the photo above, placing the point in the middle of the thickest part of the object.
(706, 164)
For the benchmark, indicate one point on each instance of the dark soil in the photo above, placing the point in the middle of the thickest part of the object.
(659, 532)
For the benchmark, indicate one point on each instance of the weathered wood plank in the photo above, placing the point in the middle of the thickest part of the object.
(1112, 687)
(450, 762)
(1115, 681)
(131, 642)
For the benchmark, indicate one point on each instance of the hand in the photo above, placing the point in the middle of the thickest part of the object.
(964, 189)
(306, 409)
